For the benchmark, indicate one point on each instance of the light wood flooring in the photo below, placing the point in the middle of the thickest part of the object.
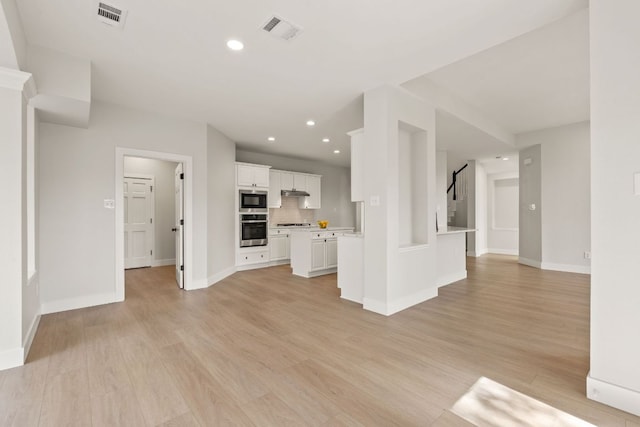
(266, 348)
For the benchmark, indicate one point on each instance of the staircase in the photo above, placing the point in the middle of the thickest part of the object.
(456, 192)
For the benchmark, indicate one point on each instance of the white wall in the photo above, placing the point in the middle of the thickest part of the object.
(11, 249)
(77, 172)
(615, 222)
(337, 207)
(530, 221)
(480, 236)
(164, 248)
(564, 196)
(395, 278)
(13, 43)
(221, 209)
(503, 213)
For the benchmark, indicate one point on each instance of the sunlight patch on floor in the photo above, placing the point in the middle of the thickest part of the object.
(488, 403)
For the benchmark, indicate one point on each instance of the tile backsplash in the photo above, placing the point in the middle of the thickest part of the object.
(290, 213)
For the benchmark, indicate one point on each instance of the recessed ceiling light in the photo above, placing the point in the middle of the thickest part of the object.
(325, 140)
(505, 158)
(271, 139)
(336, 151)
(234, 44)
(311, 123)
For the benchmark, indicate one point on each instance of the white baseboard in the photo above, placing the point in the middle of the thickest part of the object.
(197, 284)
(503, 251)
(78, 302)
(529, 262)
(212, 280)
(569, 268)
(477, 254)
(31, 333)
(392, 307)
(613, 395)
(163, 262)
(450, 278)
(252, 266)
(11, 358)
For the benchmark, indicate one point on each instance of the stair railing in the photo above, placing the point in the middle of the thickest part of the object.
(454, 180)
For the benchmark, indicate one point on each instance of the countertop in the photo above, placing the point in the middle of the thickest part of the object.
(316, 229)
(453, 230)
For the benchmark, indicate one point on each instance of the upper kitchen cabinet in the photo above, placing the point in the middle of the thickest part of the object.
(314, 188)
(274, 199)
(249, 175)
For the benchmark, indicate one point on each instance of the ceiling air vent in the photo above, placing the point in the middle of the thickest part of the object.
(282, 29)
(111, 15)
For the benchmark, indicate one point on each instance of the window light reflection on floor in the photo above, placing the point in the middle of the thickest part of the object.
(488, 403)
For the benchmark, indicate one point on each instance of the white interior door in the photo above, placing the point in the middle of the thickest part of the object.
(179, 227)
(138, 222)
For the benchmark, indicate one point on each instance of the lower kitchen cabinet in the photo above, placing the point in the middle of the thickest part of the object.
(249, 256)
(314, 253)
(279, 247)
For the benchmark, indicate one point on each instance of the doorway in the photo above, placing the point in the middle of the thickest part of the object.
(179, 226)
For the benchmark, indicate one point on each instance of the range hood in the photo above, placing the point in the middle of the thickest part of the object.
(294, 193)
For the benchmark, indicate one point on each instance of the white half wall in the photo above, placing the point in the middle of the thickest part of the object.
(615, 204)
(396, 277)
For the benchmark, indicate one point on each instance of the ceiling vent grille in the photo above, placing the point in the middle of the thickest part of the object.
(282, 29)
(111, 15)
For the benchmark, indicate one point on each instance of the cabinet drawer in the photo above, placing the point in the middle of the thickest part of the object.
(319, 235)
(245, 258)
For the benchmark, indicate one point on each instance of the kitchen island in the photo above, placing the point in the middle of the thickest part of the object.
(315, 252)
(452, 254)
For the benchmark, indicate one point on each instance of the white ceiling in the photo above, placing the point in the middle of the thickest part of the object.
(171, 58)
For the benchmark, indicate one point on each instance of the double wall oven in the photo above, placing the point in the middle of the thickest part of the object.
(253, 218)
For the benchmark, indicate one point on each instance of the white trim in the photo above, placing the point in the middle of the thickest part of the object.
(613, 395)
(252, 266)
(212, 280)
(529, 262)
(16, 80)
(477, 254)
(392, 307)
(11, 358)
(78, 302)
(198, 284)
(450, 278)
(569, 268)
(162, 262)
(31, 333)
(187, 162)
(502, 251)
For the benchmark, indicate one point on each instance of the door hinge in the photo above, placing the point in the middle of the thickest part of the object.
(182, 268)
(151, 188)
(182, 176)
(182, 222)
(150, 220)
(151, 251)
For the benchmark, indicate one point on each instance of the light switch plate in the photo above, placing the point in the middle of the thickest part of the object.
(636, 183)
(109, 203)
(374, 201)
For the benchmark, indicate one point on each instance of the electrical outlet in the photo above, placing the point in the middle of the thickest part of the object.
(587, 255)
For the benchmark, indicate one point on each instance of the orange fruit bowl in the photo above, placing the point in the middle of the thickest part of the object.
(323, 224)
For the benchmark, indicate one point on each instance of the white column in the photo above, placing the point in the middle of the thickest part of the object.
(14, 86)
(614, 378)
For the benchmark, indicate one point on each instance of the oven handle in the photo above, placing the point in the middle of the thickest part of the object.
(253, 222)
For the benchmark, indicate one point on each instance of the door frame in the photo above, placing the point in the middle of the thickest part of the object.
(187, 164)
(151, 210)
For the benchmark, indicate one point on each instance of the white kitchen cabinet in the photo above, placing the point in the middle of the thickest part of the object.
(314, 253)
(300, 182)
(248, 175)
(286, 180)
(314, 188)
(279, 246)
(274, 199)
(250, 256)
